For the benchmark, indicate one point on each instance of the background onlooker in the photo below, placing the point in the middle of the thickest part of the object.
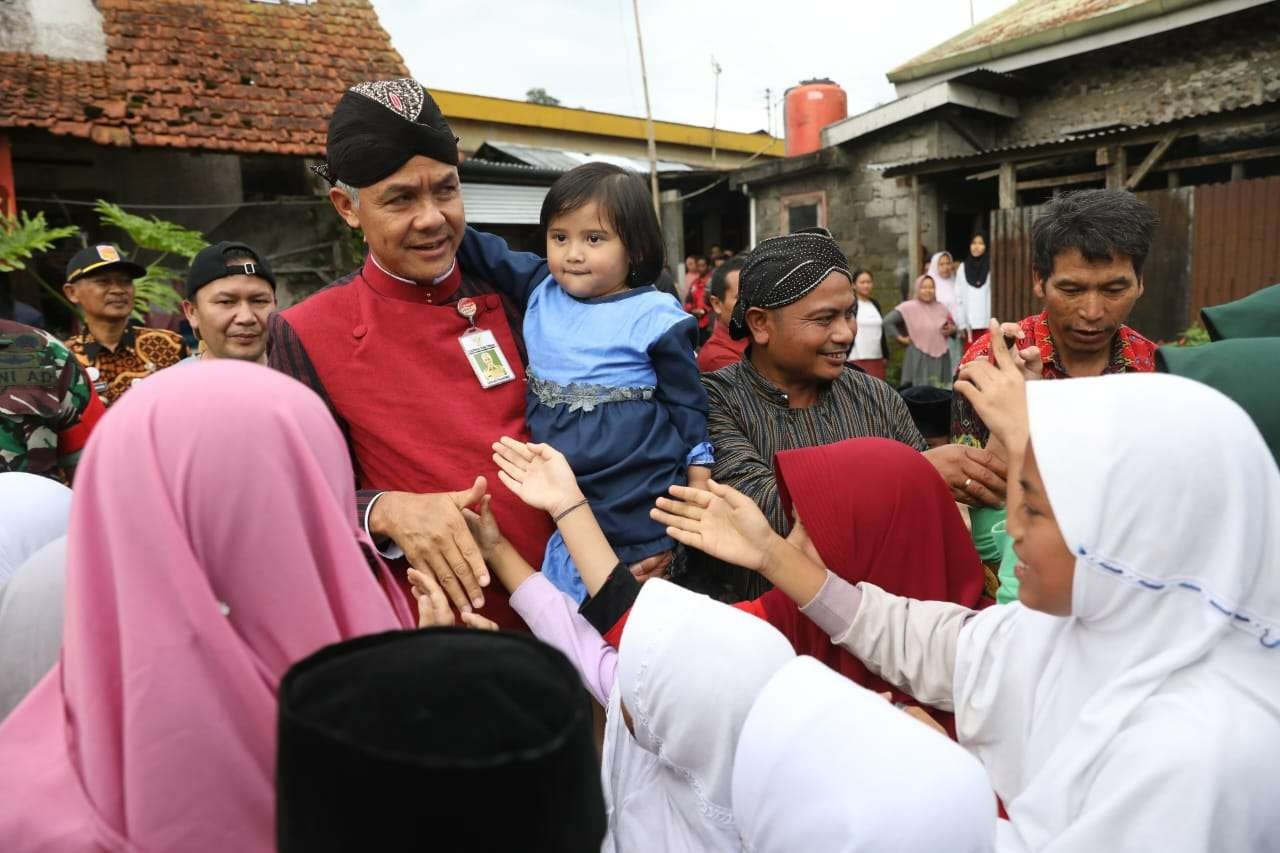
(870, 349)
(923, 325)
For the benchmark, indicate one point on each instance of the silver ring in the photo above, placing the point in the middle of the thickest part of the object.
(967, 482)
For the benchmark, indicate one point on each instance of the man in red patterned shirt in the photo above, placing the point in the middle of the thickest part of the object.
(1087, 257)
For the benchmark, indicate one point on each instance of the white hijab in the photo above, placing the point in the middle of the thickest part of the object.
(689, 669)
(826, 765)
(33, 512)
(1149, 718)
(944, 287)
(32, 608)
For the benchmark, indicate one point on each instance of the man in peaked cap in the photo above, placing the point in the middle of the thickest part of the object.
(115, 352)
(231, 293)
(391, 347)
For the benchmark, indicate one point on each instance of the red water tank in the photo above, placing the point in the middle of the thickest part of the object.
(809, 108)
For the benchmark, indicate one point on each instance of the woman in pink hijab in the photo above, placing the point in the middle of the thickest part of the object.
(211, 545)
(924, 326)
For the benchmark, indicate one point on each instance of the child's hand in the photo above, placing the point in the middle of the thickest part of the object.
(433, 605)
(484, 528)
(538, 474)
(721, 522)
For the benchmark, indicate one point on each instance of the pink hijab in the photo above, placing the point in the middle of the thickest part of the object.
(925, 321)
(212, 544)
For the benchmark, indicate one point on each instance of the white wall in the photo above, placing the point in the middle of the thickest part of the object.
(61, 29)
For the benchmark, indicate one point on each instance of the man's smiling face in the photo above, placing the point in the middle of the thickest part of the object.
(413, 220)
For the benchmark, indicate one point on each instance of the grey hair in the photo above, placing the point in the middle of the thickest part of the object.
(352, 192)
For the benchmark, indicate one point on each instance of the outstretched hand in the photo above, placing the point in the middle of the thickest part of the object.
(484, 527)
(538, 474)
(721, 522)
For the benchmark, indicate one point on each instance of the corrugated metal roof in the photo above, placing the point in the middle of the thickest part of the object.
(502, 204)
(564, 160)
(1073, 137)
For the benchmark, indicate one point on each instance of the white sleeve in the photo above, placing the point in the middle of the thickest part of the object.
(910, 644)
(392, 551)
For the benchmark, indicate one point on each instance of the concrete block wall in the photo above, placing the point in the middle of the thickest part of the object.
(1228, 62)
(869, 215)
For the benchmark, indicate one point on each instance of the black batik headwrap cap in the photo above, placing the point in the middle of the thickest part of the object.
(392, 738)
(785, 269)
(378, 126)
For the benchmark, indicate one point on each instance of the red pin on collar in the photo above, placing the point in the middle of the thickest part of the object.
(467, 309)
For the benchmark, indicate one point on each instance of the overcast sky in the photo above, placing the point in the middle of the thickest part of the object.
(584, 51)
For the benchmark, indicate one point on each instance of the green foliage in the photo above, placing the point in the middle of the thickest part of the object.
(1193, 336)
(152, 233)
(23, 237)
(539, 95)
(156, 290)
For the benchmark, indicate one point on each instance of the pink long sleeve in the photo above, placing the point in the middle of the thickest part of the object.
(553, 617)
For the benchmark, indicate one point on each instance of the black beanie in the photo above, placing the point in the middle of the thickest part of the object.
(444, 738)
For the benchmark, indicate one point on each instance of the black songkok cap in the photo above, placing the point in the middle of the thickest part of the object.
(378, 126)
(782, 270)
(445, 737)
(930, 408)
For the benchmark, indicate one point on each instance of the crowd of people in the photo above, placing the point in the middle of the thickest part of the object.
(497, 551)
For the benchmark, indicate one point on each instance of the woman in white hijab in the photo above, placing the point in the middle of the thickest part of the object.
(942, 269)
(826, 765)
(31, 616)
(689, 670)
(33, 512)
(1130, 700)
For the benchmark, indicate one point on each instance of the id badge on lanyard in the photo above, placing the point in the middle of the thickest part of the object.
(484, 354)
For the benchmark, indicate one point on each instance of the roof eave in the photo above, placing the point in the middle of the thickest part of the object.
(903, 109)
(1077, 31)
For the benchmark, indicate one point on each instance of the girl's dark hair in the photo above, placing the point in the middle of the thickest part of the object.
(858, 273)
(625, 204)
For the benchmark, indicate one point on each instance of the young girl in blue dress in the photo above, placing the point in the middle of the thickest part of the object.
(612, 379)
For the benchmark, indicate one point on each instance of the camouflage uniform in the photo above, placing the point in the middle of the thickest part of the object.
(46, 403)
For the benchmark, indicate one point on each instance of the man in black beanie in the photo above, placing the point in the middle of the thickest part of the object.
(390, 347)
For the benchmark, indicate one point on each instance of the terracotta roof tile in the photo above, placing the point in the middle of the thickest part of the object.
(227, 75)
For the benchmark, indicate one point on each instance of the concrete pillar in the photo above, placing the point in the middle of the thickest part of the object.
(673, 233)
(913, 230)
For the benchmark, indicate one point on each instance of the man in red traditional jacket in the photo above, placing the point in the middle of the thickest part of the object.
(393, 348)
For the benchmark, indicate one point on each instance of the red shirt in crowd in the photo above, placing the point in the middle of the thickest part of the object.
(1130, 353)
(697, 300)
(720, 350)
